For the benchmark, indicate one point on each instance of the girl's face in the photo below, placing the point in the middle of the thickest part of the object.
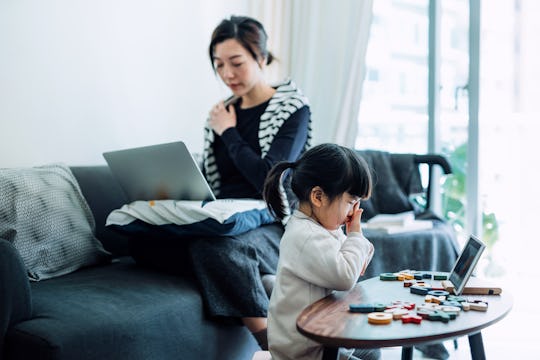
(333, 214)
(237, 67)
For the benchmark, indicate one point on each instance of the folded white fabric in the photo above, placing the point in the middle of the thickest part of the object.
(182, 212)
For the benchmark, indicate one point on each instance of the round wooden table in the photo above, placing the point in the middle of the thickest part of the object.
(329, 321)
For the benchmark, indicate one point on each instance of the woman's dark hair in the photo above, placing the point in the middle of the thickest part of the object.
(247, 31)
(336, 169)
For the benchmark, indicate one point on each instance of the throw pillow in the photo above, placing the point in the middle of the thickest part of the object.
(45, 216)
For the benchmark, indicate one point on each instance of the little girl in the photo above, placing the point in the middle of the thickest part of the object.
(316, 257)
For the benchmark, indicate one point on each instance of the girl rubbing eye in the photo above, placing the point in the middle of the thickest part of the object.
(316, 256)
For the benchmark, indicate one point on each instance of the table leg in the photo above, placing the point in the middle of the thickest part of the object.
(406, 353)
(330, 353)
(477, 346)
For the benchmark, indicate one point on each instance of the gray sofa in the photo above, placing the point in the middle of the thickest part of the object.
(118, 310)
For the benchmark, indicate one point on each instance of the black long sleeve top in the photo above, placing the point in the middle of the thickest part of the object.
(238, 153)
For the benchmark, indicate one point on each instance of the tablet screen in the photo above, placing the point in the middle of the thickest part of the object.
(466, 263)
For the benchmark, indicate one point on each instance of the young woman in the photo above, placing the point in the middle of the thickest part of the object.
(316, 256)
(260, 125)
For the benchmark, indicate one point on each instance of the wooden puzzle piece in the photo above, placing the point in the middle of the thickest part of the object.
(408, 283)
(451, 309)
(397, 312)
(440, 277)
(367, 307)
(439, 293)
(452, 303)
(438, 315)
(388, 277)
(427, 307)
(419, 290)
(404, 304)
(410, 318)
(379, 318)
(361, 308)
(478, 306)
(434, 299)
(402, 276)
(456, 298)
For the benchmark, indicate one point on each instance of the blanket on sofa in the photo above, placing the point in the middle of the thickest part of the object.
(223, 217)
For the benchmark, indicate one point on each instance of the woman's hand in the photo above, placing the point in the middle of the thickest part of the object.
(353, 222)
(221, 118)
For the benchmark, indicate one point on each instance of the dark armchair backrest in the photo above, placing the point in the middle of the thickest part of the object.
(396, 177)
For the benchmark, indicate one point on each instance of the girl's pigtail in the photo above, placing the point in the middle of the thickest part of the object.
(273, 191)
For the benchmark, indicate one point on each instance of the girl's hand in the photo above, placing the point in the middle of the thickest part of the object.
(353, 222)
(221, 118)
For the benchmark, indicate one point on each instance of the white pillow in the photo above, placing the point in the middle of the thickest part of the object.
(45, 216)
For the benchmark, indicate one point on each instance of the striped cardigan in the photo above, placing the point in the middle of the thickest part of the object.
(286, 101)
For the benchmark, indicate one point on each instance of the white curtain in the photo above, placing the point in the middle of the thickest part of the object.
(322, 46)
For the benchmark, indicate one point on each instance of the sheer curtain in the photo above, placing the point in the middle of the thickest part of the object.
(321, 45)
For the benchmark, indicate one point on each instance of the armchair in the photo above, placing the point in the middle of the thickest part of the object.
(397, 183)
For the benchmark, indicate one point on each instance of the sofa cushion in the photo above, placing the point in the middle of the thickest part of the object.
(123, 311)
(46, 218)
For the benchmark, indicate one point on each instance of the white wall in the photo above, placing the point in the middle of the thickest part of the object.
(78, 78)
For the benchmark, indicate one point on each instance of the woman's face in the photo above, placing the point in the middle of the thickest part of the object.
(237, 67)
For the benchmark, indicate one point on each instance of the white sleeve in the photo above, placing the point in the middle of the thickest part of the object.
(331, 263)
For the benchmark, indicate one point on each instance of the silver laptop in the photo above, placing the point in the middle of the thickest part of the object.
(158, 172)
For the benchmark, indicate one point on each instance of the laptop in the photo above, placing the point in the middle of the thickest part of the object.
(460, 281)
(158, 172)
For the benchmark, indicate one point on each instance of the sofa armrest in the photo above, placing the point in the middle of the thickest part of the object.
(16, 302)
(103, 194)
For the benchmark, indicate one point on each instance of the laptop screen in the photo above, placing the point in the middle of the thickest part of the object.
(466, 263)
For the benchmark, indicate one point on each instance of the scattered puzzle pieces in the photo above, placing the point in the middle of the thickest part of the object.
(439, 304)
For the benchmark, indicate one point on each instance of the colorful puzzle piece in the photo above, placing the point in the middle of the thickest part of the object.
(438, 315)
(404, 304)
(361, 308)
(388, 277)
(419, 290)
(478, 306)
(440, 277)
(413, 319)
(380, 318)
(456, 298)
(367, 307)
(397, 312)
(409, 283)
(434, 299)
(438, 293)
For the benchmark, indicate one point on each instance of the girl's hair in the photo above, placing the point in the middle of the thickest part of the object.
(247, 31)
(336, 169)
